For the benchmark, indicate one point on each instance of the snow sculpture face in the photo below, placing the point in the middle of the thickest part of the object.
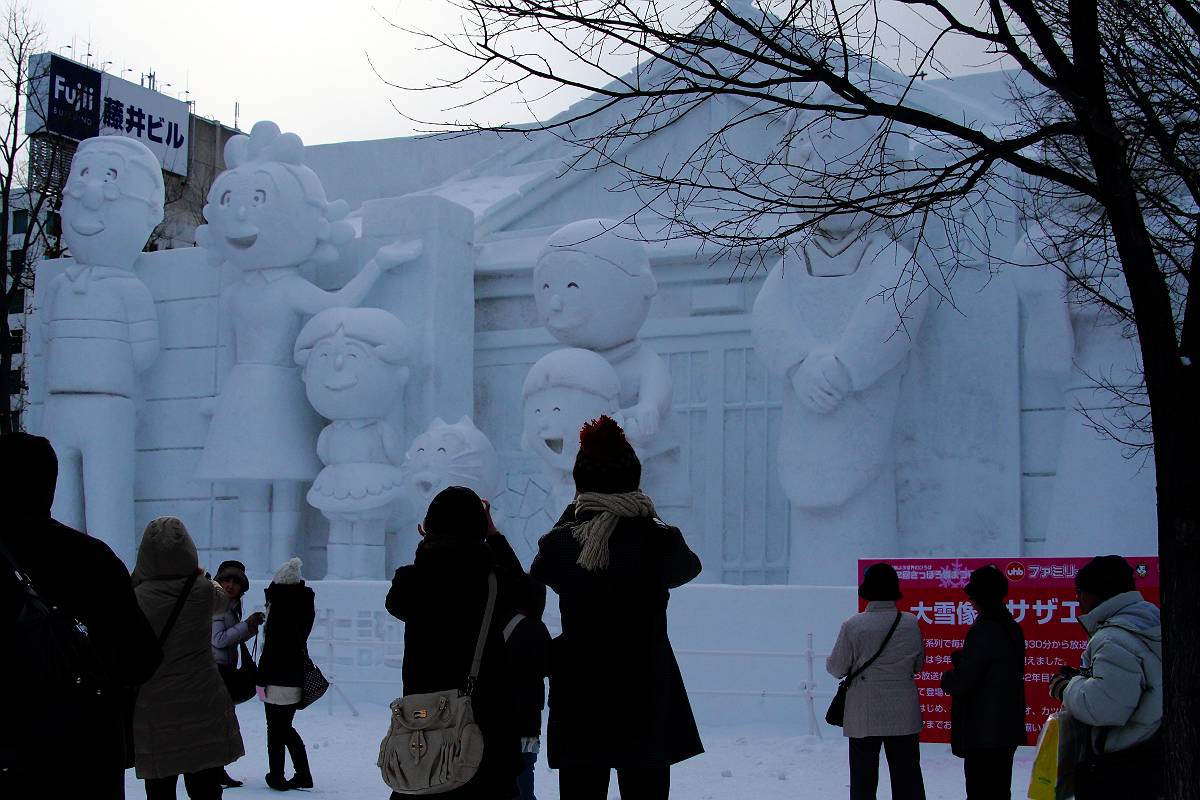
(450, 455)
(112, 201)
(354, 362)
(269, 209)
(592, 286)
(563, 390)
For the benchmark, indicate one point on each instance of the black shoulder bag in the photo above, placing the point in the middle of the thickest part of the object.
(837, 709)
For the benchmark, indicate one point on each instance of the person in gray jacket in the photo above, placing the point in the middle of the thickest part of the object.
(882, 706)
(229, 630)
(1119, 689)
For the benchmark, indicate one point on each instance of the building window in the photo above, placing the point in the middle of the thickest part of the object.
(20, 220)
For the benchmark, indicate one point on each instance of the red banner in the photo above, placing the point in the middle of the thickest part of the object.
(1041, 598)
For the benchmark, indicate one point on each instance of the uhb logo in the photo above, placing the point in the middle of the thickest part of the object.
(1015, 570)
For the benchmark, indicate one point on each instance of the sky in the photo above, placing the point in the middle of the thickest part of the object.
(306, 65)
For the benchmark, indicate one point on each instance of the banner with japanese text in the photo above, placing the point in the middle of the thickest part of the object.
(1042, 600)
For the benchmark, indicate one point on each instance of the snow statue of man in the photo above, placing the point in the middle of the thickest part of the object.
(837, 323)
(593, 288)
(101, 331)
(444, 455)
(563, 390)
(268, 216)
(354, 369)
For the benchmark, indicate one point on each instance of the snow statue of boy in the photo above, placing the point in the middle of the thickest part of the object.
(563, 390)
(100, 331)
(354, 363)
(444, 455)
(593, 288)
(268, 216)
(837, 323)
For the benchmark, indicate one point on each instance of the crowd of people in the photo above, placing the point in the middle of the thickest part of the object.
(112, 670)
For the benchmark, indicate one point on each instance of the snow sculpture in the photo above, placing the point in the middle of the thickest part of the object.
(268, 216)
(354, 369)
(837, 324)
(442, 456)
(100, 331)
(593, 289)
(563, 390)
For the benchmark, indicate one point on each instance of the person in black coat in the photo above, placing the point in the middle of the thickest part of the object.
(987, 688)
(441, 598)
(617, 698)
(87, 582)
(528, 645)
(291, 611)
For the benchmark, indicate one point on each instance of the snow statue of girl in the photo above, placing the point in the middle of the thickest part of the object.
(563, 390)
(268, 216)
(836, 324)
(593, 288)
(354, 369)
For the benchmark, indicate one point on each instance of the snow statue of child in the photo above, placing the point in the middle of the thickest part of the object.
(268, 216)
(354, 369)
(100, 331)
(444, 455)
(563, 390)
(837, 324)
(593, 288)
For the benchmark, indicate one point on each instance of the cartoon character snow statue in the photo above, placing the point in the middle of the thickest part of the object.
(354, 368)
(593, 288)
(268, 216)
(834, 325)
(100, 331)
(443, 456)
(563, 390)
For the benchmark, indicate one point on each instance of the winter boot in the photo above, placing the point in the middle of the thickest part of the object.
(229, 782)
(277, 782)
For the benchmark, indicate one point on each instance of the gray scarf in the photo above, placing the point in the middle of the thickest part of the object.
(594, 534)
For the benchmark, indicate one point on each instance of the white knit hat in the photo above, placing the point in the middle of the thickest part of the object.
(288, 572)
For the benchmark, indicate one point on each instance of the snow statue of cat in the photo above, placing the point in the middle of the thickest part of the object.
(354, 365)
(563, 390)
(268, 216)
(593, 287)
(100, 332)
(830, 321)
(443, 455)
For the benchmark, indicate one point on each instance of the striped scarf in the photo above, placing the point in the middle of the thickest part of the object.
(594, 534)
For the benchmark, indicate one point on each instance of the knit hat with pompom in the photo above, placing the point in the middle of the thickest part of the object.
(288, 572)
(606, 463)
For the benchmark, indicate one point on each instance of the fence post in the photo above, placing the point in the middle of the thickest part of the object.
(809, 687)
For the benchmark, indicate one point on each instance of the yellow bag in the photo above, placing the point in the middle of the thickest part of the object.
(1043, 782)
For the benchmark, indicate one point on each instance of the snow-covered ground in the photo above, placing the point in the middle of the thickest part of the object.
(758, 762)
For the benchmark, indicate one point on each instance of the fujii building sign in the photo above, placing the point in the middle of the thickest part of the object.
(73, 100)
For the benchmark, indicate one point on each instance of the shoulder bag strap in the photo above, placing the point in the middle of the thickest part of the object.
(483, 632)
(871, 660)
(179, 601)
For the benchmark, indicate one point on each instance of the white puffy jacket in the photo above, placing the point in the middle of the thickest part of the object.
(1120, 693)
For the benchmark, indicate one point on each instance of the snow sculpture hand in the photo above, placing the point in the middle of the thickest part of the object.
(641, 421)
(393, 255)
(821, 383)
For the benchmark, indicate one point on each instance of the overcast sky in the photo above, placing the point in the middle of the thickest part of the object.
(301, 63)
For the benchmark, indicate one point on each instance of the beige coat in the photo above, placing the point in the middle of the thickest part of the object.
(883, 700)
(184, 720)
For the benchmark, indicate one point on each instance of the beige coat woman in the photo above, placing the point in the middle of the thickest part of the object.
(183, 721)
(883, 700)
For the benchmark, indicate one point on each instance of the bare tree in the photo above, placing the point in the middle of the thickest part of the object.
(28, 195)
(1104, 146)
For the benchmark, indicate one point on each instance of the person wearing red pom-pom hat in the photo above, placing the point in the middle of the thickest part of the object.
(617, 699)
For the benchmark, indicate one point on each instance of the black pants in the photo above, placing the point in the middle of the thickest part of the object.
(988, 771)
(202, 785)
(1136, 772)
(105, 781)
(904, 765)
(280, 736)
(591, 783)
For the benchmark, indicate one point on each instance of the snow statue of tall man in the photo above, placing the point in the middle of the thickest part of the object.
(593, 287)
(354, 363)
(833, 324)
(563, 390)
(100, 331)
(268, 216)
